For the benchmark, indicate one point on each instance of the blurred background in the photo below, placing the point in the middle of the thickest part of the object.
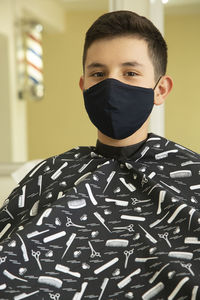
(41, 106)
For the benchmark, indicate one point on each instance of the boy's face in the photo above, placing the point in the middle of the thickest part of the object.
(123, 58)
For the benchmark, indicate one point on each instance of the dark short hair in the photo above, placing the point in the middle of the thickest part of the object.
(128, 23)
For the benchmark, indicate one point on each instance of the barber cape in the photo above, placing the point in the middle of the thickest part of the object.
(105, 223)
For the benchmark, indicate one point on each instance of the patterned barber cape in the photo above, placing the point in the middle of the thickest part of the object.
(105, 223)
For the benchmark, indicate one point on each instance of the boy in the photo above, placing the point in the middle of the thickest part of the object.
(119, 220)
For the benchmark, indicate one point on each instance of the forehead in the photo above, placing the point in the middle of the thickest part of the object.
(118, 50)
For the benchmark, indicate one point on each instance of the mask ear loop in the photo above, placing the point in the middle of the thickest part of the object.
(157, 82)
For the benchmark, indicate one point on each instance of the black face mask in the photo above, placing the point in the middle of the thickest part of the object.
(117, 109)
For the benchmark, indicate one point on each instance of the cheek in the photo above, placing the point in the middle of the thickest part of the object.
(150, 80)
(90, 81)
(87, 84)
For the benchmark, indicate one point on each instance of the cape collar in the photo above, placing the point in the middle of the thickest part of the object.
(117, 152)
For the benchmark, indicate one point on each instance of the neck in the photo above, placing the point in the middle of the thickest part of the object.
(139, 136)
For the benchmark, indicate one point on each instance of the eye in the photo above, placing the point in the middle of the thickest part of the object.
(131, 74)
(97, 74)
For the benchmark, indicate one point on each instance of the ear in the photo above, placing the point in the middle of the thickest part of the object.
(81, 83)
(162, 89)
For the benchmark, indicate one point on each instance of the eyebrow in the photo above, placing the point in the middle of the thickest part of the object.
(131, 64)
(95, 65)
(125, 64)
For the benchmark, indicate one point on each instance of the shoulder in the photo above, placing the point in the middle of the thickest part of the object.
(158, 149)
(55, 162)
(171, 146)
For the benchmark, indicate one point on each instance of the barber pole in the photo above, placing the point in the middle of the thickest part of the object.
(30, 60)
(34, 61)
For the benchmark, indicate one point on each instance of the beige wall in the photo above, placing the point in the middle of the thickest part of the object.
(183, 105)
(5, 118)
(59, 122)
